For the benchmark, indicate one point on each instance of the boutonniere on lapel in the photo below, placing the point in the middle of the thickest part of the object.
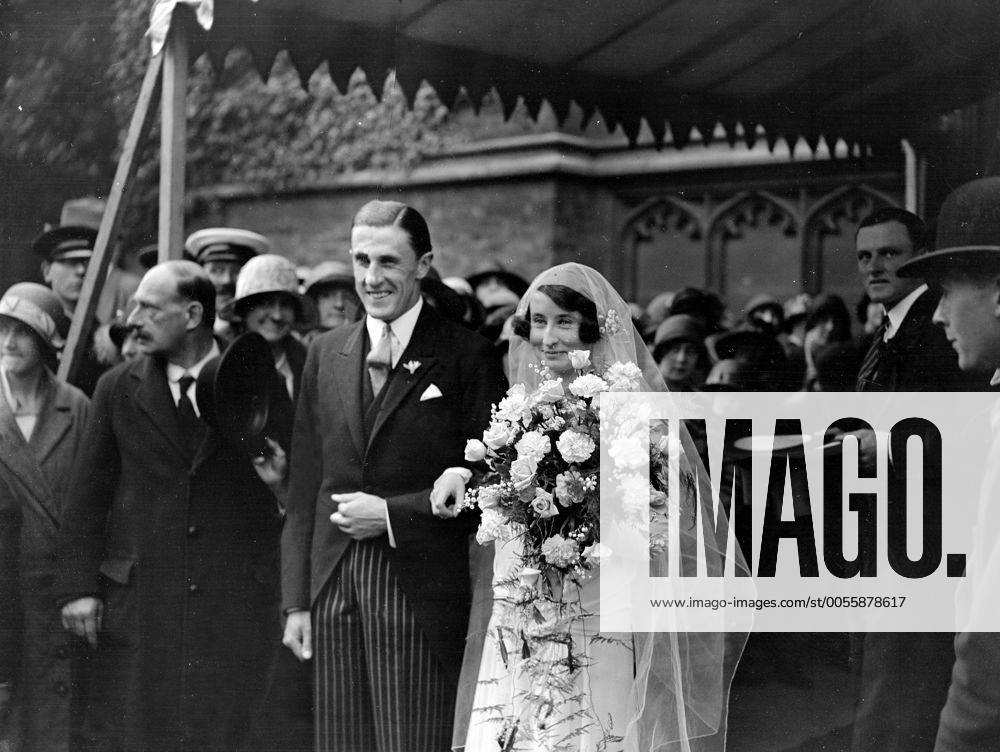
(412, 366)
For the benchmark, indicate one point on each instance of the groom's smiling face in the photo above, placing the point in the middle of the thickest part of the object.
(387, 271)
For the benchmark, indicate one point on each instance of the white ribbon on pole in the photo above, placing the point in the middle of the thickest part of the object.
(163, 12)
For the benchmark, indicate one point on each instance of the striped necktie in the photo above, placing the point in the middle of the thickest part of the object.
(379, 361)
(868, 374)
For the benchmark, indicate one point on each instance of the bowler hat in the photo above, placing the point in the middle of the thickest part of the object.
(968, 234)
(242, 397)
(65, 243)
(38, 307)
(263, 275)
(225, 244)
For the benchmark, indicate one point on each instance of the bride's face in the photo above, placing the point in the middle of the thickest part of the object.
(554, 332)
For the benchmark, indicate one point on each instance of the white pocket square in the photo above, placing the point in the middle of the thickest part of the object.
(431, 392)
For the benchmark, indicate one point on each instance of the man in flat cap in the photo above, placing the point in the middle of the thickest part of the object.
(967, 270)
(65, 253)
(222, 252)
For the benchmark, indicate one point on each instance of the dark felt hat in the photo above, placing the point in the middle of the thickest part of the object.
(968, 234)
(513, 282)
(242, 397)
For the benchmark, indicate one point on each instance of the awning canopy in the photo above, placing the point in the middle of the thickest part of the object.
(868, 71)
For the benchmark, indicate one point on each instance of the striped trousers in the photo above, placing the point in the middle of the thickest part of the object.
(378, 686)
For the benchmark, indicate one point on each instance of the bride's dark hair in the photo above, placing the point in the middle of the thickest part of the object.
(569, 300)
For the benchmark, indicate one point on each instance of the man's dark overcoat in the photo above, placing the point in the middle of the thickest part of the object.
(181, 540)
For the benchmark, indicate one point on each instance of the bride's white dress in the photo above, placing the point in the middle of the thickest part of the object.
(583, 710)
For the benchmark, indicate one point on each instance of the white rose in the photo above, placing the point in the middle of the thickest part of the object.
(522, 472)
(575, 446)
(550, 390)
(595, 552)
(533, 446)
(498, 435)
(588, 385)
(629, 452)
(579, 359)
(542, 504)
(475, 451)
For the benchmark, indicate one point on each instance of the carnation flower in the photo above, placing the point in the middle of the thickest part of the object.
(533, 446)
(491, 526)
(569, 488)
(623, 377)
(560, 552)
(575, 446)
(542, 504)
(579, 359)
(498, 435)
(515, 406)
(474, 451)
(522, 472)
(550, 390)
(628, 452)
(587, 386)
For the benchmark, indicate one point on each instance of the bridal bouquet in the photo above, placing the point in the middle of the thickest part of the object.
(541, 449)
(542, 487)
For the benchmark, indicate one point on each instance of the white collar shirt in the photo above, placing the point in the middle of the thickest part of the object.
(176, 372)
(401, 328)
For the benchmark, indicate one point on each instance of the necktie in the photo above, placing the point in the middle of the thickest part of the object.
(868, 375)
(187, 418)
(379, 361)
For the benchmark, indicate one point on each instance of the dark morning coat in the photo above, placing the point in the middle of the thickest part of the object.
(919, 357)
(905, 676)
(34, 481)
(181, 540)
(411, 442)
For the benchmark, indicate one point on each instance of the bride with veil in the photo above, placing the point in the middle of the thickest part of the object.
(550, 681)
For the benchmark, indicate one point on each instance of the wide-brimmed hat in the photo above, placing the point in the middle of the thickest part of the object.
(678, 328)
(335, 273)
(968, 234)
(225, 244)
(38, 307)
(66, 243)
(263, 275)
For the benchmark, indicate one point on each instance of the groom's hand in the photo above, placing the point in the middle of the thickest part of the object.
(360, 515)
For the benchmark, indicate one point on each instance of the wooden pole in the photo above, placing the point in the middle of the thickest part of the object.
(173, 133)
(121, 188)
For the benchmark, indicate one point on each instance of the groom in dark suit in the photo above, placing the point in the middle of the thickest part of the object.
(370, 576)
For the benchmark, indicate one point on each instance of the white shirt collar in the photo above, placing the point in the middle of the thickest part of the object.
(995, 379)
(176, 372)
(284, 370)
(898, 312)
(402, 329)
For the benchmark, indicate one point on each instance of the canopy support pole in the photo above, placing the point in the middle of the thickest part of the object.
(173, 133)
(121, 188)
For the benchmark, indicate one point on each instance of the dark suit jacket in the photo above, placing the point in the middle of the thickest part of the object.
(185, 540)
(411, 442)
(919, 357)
